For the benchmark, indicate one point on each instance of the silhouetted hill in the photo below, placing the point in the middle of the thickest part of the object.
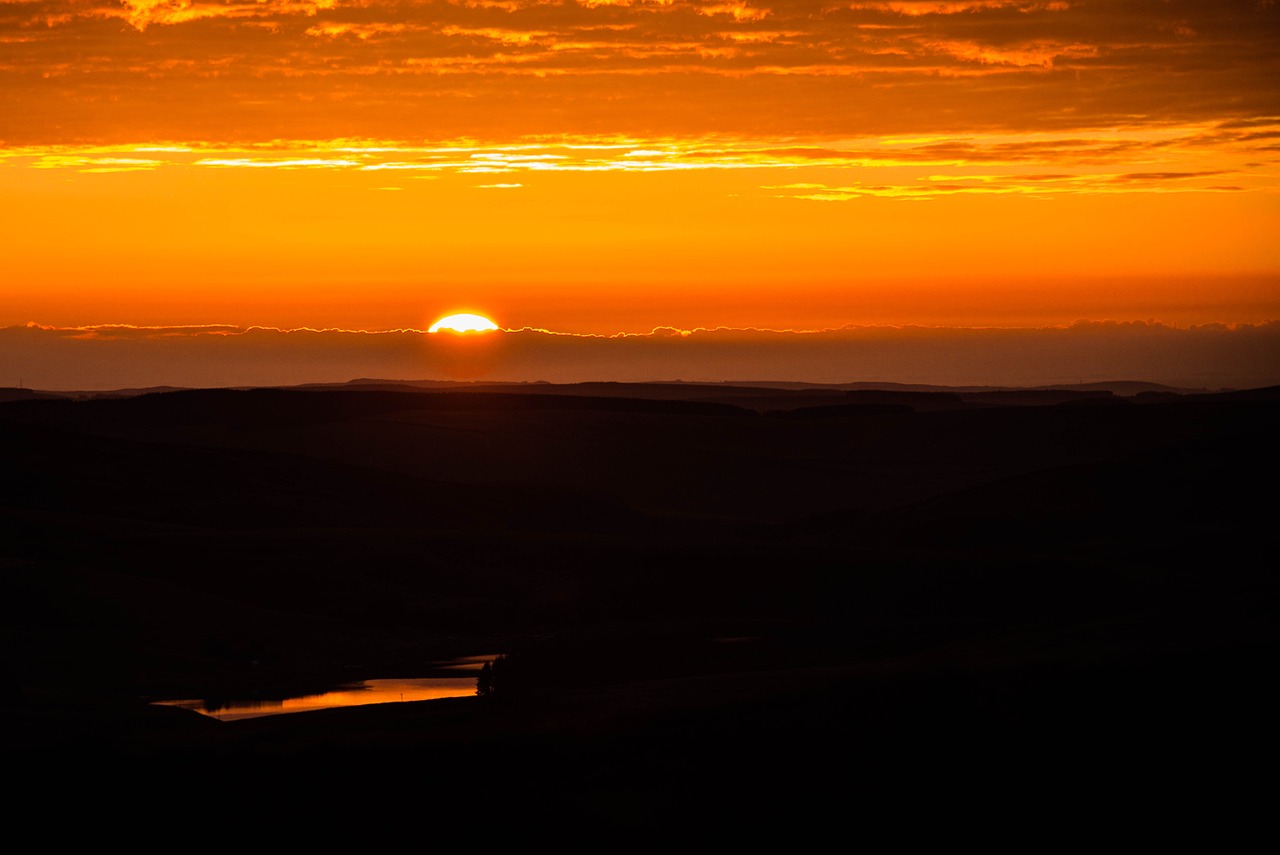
(907, 580)
(17, 394)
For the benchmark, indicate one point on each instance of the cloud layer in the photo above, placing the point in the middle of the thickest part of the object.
(409, 69)
(1209, 357)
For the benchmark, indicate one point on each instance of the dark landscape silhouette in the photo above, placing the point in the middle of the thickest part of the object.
(713, 600)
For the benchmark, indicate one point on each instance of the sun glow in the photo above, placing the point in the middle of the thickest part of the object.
(463, 323)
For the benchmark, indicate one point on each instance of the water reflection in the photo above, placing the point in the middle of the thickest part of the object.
(352, 695)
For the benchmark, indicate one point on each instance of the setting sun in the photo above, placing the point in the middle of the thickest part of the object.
(463, 323)
(831, 197)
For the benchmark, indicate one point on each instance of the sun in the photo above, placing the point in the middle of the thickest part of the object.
(463, 323)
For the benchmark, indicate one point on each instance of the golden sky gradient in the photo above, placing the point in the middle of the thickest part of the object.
(606, 166)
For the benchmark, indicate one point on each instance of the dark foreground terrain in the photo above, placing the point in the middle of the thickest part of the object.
(746, 608)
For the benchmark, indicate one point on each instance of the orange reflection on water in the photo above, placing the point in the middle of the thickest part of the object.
(357, 694)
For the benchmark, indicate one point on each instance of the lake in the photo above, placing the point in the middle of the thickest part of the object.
(381, 691)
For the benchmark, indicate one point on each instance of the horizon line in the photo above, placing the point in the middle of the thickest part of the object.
(236, 329)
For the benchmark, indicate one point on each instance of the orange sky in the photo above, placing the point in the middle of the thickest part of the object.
(616, 165)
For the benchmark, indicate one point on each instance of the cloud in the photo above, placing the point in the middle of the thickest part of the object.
(1038, 185)
(918, 8)
(626, 65)
(1187, 159)
(143, 13)
(1040, 53)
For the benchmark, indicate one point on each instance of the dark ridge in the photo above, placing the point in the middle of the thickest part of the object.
(260, 408)
(1034, 397)
(1266, 393)
(840, 411)
(12, 393)
(1118, 387)
(652, 391)
(1140, 501)
(123, 393)
(915, 400)
(1125, 388)
(711, 388)
(664, 389)
(1102, 401)
(53, 469)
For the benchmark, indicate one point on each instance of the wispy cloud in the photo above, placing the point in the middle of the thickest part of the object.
(694, 66)
(1196, 158)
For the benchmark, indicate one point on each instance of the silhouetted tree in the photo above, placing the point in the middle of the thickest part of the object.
(500, 677)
